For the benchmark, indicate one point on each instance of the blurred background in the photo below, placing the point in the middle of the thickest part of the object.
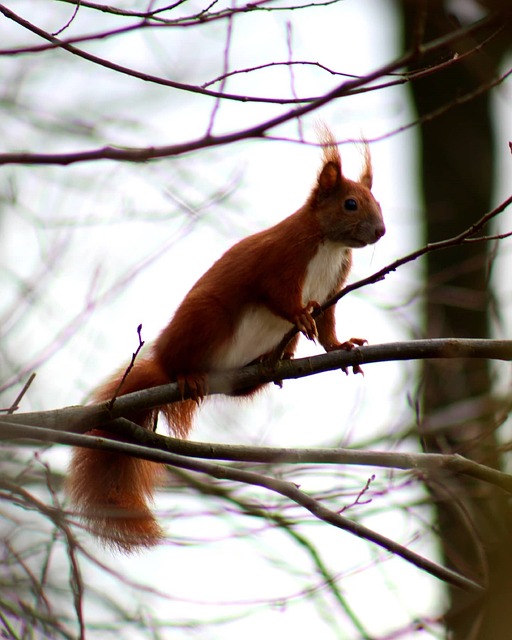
(91, 249)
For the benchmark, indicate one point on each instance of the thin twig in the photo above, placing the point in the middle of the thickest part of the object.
(68, 23)
(225, 69)
(358, 500)
(15, 405)
(289, 45)
(128, 369)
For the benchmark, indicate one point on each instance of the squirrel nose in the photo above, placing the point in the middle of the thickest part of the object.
(379, 231)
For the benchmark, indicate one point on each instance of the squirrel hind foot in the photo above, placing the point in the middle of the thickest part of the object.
(349, 345)
(195, 385)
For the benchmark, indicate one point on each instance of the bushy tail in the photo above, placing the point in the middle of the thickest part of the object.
(111, 491)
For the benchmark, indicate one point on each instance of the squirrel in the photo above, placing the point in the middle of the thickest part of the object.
(236, 313)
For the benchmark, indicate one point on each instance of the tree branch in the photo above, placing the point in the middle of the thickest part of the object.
(83, 418)
(282, 487)
(148, 441)
(257, 131)
(163, 449)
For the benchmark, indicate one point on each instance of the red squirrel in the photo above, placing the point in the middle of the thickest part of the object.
(235, 314)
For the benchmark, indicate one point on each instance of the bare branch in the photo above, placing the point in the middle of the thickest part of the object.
(256, 131)
(84, 418)
(288, 63)
(284, 488)
(67, 46)
(128, 369)
(67, 24)
(227, 49)
(15, 405)
(425, 462)
(204, 15)
(164, 449)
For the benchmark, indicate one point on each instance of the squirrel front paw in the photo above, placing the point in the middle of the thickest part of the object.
(305, 322)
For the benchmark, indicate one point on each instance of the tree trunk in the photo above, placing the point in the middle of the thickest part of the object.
(457, 172)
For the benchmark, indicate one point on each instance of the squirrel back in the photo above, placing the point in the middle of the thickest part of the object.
(235, 314)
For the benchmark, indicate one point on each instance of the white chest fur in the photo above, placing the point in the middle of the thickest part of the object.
(257, 333)
(323, 272)
(259, 330)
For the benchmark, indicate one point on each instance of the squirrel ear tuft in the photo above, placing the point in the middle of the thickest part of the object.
(366, 177)
(330, 176)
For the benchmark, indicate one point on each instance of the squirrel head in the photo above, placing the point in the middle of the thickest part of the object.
(346, 210)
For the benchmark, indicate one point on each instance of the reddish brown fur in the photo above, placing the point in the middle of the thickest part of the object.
(263, 278)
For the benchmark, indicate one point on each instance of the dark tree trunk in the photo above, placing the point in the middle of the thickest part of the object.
(457, 175)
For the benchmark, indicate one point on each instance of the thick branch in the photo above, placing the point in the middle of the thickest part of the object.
(81, 419)
(148, 442)
(162, 449)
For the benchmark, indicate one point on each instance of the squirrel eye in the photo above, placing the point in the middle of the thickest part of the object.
(350, 204)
